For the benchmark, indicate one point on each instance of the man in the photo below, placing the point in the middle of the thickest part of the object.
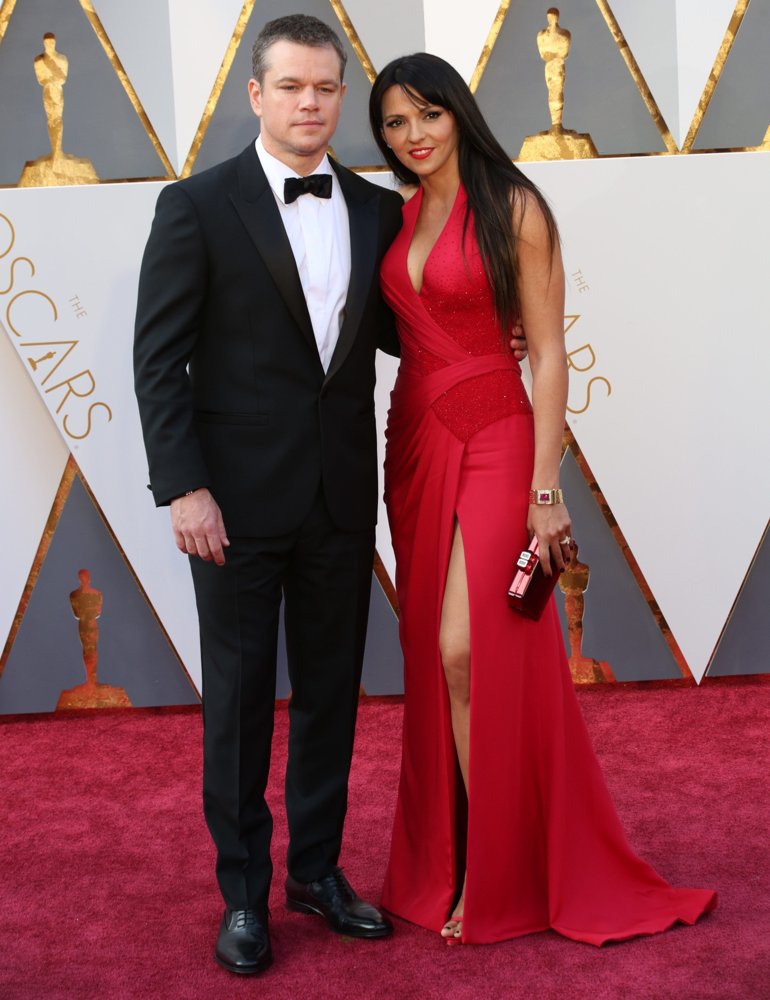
(261, 274)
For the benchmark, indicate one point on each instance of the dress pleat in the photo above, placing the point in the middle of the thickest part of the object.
(544, 847)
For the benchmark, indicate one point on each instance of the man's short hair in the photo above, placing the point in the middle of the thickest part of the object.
(299, 28)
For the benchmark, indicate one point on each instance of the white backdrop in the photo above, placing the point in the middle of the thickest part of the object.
(668, 329)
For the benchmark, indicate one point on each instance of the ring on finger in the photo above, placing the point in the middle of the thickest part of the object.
(567, 540)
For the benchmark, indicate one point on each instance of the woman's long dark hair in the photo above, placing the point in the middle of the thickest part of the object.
(492, 182)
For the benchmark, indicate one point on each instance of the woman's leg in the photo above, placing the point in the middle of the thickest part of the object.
(455, 648)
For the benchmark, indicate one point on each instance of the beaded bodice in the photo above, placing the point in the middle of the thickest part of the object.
(456, 296)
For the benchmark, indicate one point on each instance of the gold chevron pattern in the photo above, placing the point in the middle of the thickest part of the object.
(357, 38)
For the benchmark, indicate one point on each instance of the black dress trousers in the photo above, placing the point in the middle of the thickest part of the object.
(324, 575)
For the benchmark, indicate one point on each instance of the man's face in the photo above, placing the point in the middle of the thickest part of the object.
(298, 102)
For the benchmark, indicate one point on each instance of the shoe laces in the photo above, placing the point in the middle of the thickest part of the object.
(341, 883)
(245, 918)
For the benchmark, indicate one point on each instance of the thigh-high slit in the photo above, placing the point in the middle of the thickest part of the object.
(545, 847)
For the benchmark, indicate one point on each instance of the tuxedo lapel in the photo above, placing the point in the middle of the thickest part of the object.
(255, 204)
(362, 215)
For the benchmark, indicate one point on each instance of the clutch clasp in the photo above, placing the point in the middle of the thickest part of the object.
(527, 561)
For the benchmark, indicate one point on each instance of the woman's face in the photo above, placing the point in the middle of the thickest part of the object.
(424, 137)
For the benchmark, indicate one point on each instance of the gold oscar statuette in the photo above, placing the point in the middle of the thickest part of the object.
(51, 68)
(574, 582)
(86, 604)
(556, 143)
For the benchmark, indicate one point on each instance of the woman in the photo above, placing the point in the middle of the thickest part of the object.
(503, 824)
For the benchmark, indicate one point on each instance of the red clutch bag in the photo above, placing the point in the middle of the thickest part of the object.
(531, 588)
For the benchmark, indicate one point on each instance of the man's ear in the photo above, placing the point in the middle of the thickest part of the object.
(255, 97)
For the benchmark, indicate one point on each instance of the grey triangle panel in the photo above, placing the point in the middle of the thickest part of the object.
(47, 656)
(618, 626)
(282, 684)
(100, 123)
(600, 96)
(739, 111)
(745, 644)
(388, 30)
(233, 124)
(383, 659)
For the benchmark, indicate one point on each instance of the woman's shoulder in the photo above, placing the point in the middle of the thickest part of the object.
(530, 218)
(408, 191)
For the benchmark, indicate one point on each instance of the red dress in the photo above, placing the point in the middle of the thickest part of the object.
(543, 845)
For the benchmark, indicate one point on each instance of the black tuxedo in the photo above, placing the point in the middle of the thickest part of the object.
(233, 397)
(257, 421)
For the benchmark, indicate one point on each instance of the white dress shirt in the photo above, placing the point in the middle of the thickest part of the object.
(319, 234)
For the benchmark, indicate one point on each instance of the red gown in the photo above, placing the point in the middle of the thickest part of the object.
(543, 845)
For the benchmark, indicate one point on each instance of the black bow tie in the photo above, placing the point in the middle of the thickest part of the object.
(318, 184)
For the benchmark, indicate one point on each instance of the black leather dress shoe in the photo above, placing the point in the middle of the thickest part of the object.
(243, 943)
(332, 898)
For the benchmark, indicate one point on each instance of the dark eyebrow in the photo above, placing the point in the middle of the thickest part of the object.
(420, 107)
(319, 83)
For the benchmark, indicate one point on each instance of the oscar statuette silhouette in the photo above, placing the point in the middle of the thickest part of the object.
(574, 583)
(86, 604)
(556, 143)
(51, 69)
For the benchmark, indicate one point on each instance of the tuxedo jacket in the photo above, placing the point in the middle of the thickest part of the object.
(232, 394)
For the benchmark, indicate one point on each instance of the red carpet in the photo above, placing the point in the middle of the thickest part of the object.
(106, 871)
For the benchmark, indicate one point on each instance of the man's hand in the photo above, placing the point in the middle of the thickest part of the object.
(518, 341)
(198, 527)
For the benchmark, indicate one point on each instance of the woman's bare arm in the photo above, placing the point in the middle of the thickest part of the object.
(541, 291)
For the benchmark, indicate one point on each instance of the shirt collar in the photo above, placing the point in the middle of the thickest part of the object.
(276, 171)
